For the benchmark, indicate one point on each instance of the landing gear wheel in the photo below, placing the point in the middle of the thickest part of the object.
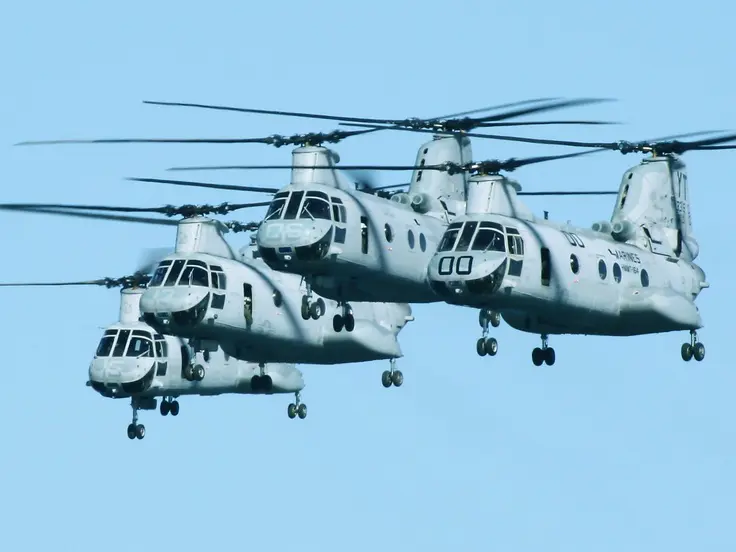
(397, 378)
(317, 309)
(131, 431)
(687, 351)
(349, 322)
(495, 319)
(490, 346)
(189, 373)
(305, 307)
(140, 431)
(538, 356)
(480, 347)
(199, 372)
(337, 323)
(699, 351)
(165, 407)
(301, 411)
(174, 408)
(291, 411)
(386, 379)
(549, 356)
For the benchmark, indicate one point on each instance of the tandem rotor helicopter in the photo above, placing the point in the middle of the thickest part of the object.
(220, 314)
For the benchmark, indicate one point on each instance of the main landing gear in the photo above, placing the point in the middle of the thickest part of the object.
(194, 372)
(694, 349)
(312, 310)
(544, 355)
(298, 408)
(392, 376)
(345, 320)
(487, 345)
(169, 405)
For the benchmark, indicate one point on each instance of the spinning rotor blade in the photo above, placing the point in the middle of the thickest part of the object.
(136, 280)
(207, 185)
(573, 193)
(452, 168)
(311, 138)
(99, 216)
(448, 123)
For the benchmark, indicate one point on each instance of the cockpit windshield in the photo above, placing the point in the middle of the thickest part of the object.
(466, 235)
(448, 240)
(129, 343)
(316, 206)
(191, 272)
(489, 238)
(277, 206)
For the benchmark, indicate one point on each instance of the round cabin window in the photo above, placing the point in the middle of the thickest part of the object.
(602, 270)
(410, 237)
(644, 278)
(574, 264)
(616, 272)
(277, 298)
(389, 233)
(422, 242)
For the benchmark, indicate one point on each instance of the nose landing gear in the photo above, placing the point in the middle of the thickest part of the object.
(298, 408)
(487, 345)
(544, 355)
(312, 310)
(392, 376)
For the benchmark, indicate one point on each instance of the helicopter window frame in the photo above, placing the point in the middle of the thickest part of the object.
(468, 233)
(388, 232)
(422, 242)
(176, 267)
(313, 208)
(159, 275)
(485, 245)
(162, 348)
(449, 238)
(293, 207)
(602, 269)
(276, 208)
(574, 263)
(121, 343)
(617, 273)
(108, 337)
(136, 344)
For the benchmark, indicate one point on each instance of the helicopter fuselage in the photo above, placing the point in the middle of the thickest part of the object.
(550, 279)
(351, 246)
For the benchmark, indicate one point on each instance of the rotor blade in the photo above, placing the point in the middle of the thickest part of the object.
(717, 147)
(168, 210)
(568, 193)
(541, 108)
(145, 141)
(493, 108)
(82, 283)
(207, 185)
(99, 216)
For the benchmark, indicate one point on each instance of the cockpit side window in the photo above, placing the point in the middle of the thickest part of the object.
(160, 274)
(121, 343)
(176, 267)
(315, 208)
(467, 234)
(448, 240)
(217, 277)
(277, 206)
(105, 346)
(293, 207)
(162, 350)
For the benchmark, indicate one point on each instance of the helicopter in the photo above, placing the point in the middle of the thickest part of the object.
(632, 275)
(221, 300)
(134, 361)
(353, 246)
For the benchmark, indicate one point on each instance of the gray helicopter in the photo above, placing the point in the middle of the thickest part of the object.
(354, 246)
(632, 275)
(222, 300)
(134, 361)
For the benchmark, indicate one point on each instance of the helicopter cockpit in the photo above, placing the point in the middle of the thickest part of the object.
(124, 361)
(301, 224)
(471, 257)
(181, 290)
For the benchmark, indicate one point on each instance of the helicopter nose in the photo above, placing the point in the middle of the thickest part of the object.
(295, 233)
(120, 376)
(459, 267)
(183, 305)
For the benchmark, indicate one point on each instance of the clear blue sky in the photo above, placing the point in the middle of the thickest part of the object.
(619, 446)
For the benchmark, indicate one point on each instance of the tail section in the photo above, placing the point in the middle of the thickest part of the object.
(653, 207)
(438, 193)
